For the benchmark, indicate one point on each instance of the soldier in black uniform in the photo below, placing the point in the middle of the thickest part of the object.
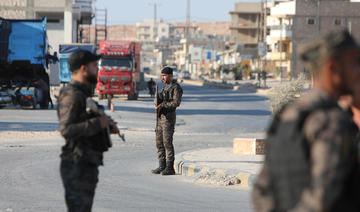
(169, 100)
(85, 134)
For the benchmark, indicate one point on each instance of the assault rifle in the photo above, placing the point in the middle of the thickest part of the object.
(156, 103)
(94, 108)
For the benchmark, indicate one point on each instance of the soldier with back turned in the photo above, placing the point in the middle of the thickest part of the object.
(311, 148)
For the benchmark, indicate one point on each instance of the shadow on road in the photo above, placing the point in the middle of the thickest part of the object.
(198, 112)
(29, 126)
(223, 98)
(238, 161)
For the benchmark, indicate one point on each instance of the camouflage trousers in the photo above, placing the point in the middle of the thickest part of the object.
(164, 137)
(79, 180)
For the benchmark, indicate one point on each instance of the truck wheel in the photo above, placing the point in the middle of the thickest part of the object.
(101, 96)
(33, 104)
(44, 104)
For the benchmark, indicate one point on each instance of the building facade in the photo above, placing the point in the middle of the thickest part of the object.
(63, 20)
(279, 38)
(151, 31)
(245, 31)
(315, 17)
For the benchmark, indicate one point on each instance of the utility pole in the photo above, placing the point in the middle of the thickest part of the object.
(264, 31)
(155, 30)
(187, 37)
(281, 31)
(187, 27)
(154, 21)
(318, 16)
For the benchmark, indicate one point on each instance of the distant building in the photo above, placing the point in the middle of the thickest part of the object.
(317, 17)
(151, 31)
(294, 23)
(199, 53)
(218, 28)
(245, 28)
(116, 32)
(280, 37)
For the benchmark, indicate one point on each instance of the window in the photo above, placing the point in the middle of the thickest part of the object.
(310, 21)
(117, 62)
(337, 22)
(54, 21)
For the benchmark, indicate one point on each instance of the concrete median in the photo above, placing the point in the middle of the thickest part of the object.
(218, 161)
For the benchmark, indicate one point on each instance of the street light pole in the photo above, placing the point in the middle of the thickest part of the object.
(280, 49)
(318, 16)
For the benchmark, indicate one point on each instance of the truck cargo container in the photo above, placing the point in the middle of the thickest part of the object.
(65, 51)
(23, 60)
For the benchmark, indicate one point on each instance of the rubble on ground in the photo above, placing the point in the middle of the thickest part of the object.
(216, 178)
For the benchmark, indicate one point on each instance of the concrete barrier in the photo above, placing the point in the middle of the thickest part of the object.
(192, 82)
(248, 146)
(218, 85)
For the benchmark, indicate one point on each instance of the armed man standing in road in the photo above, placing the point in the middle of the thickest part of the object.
(85, 134)
(168, 100)
(311, 149)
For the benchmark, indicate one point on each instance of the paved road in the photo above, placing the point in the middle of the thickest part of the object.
(29, 145)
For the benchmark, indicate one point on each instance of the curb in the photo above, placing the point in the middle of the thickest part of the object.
(218, 85)
(189, 169)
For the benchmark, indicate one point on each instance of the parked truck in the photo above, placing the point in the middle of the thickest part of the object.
(23, 61)
(65, 51)
(119, 69)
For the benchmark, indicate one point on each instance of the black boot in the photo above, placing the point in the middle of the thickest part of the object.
(169, 170)
(158, 170)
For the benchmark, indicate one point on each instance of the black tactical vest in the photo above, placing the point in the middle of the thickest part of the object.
(100, 141)
(287, 158)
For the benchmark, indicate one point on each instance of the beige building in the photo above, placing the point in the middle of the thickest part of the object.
(150, 30)
(279, 38)
(198, 54)
(245, 32)
(294, 23)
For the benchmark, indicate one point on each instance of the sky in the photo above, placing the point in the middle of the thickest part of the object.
(128, 12)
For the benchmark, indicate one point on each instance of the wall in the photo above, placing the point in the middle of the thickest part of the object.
(50, 3)
(347, 12)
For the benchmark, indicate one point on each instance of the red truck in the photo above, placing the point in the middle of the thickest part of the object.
(119, 69)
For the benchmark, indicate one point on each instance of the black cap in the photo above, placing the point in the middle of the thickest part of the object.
(81, 57)
(167, 70)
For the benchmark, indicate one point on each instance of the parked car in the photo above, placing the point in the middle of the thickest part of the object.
(175, 76)
(146, 70)
(185, 75)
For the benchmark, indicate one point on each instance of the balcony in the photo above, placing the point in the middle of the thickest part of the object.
(284, 32)
(278, 56)
(284, 9)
